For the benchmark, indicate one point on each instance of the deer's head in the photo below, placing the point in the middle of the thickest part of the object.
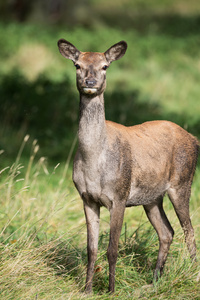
(91, 66)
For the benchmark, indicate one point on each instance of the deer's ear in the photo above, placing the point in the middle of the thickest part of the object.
(116, 51)
(68, 50)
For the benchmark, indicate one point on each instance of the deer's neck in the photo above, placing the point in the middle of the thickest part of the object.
(92, 126)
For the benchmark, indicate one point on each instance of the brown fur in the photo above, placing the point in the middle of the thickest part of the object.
(117, 166)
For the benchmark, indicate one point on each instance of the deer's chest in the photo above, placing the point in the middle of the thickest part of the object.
(89, 178)
(102, 178)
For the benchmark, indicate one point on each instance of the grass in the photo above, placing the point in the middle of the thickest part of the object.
(43, 240)
(43, 232)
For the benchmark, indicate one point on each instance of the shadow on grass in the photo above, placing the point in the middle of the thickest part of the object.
(44, 109)
(48, 111)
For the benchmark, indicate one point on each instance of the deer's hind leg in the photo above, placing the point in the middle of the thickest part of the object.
(158, 219)
(180, 200)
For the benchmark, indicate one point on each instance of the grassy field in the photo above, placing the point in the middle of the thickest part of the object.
(43, 241)
(43, 232)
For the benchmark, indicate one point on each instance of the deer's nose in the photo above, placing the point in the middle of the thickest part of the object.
(90, 82)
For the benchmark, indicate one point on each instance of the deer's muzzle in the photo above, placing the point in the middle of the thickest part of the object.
(90, 82)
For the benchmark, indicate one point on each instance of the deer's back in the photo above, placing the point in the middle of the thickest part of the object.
(163, 156)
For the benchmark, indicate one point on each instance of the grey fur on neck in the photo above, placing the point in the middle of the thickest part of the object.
(92, 124)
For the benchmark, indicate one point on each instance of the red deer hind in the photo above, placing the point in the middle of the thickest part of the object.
(118, 167)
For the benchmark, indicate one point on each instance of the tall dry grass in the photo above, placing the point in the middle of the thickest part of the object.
(43, 240)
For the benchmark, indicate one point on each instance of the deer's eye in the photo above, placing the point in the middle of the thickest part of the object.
(77, 66)
(105, 67)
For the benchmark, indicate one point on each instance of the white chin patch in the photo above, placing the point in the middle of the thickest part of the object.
(90, 90)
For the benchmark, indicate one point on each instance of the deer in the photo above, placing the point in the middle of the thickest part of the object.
(117, 166)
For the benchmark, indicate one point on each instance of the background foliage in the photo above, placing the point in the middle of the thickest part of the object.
(43, 237)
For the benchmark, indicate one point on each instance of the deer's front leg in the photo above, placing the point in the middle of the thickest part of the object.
(92, 214)
(116, 221)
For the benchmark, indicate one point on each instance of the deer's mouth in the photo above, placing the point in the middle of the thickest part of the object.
(90, 90)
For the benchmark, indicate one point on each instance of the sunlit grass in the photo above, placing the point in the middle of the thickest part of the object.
(43, 240)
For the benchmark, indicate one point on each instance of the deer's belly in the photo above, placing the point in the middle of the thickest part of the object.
(94, 187)
(146, 194)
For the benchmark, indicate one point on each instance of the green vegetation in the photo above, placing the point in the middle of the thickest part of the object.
(43, 241)
(43, 232)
